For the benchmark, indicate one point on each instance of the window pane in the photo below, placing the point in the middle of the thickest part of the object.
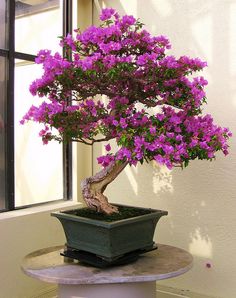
(2, 131)
(38, 24)
(38, 167)
(3, 14)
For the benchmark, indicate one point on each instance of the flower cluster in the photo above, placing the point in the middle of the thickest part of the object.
(121, 60)
(171, 138)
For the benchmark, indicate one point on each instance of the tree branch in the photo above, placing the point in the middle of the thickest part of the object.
(93, 187)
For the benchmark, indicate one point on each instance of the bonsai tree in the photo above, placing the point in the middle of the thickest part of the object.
(115, 82)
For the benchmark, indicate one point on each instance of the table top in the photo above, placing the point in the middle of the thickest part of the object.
(49, 266)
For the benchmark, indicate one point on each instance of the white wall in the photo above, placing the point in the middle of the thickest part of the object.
(200, 199)
(22, 232)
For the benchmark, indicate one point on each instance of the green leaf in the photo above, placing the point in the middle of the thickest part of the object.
(186, 163)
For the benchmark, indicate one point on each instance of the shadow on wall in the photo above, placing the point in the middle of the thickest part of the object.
(201, 198)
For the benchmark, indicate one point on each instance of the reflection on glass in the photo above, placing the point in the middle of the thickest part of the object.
(38, 23)
(38, 167)
(3, 14)
(2, 132)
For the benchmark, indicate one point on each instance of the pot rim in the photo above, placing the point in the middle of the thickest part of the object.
(155, 214)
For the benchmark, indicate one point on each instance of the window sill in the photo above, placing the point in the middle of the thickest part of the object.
(38, 209)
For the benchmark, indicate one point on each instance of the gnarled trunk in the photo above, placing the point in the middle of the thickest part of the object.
(94, 186)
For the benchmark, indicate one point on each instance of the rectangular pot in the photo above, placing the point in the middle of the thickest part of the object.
(109, 239)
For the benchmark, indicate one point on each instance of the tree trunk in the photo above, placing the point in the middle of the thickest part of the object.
(94, 186)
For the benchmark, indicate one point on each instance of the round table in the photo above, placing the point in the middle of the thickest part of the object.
(135, 280)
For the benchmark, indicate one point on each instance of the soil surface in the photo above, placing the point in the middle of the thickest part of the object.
(124, 213)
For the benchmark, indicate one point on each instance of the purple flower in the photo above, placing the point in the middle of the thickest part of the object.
(123, 123)
(170, 134)
(163, 41)
(124, 153)
(179, 138)
(160, 117)
(159, 159)
(115, 122)
(128, 20)
(106, 14)
(139, 155)
(68, 40)
(108, 147)
(152, 130)
(203, 145)
(42, 55)
(210, 154)
(175, 119)
(168, 149)
(105, 160)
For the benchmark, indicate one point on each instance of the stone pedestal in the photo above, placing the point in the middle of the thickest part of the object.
(135, 280)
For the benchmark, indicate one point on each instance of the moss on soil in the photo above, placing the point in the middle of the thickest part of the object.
(124, 213)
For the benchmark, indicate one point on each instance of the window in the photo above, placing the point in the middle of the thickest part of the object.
(30, 173)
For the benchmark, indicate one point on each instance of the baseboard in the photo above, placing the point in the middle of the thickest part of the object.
(168, 292)
(50, 292)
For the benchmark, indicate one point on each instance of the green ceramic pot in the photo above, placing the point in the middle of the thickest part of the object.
(109, 240)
